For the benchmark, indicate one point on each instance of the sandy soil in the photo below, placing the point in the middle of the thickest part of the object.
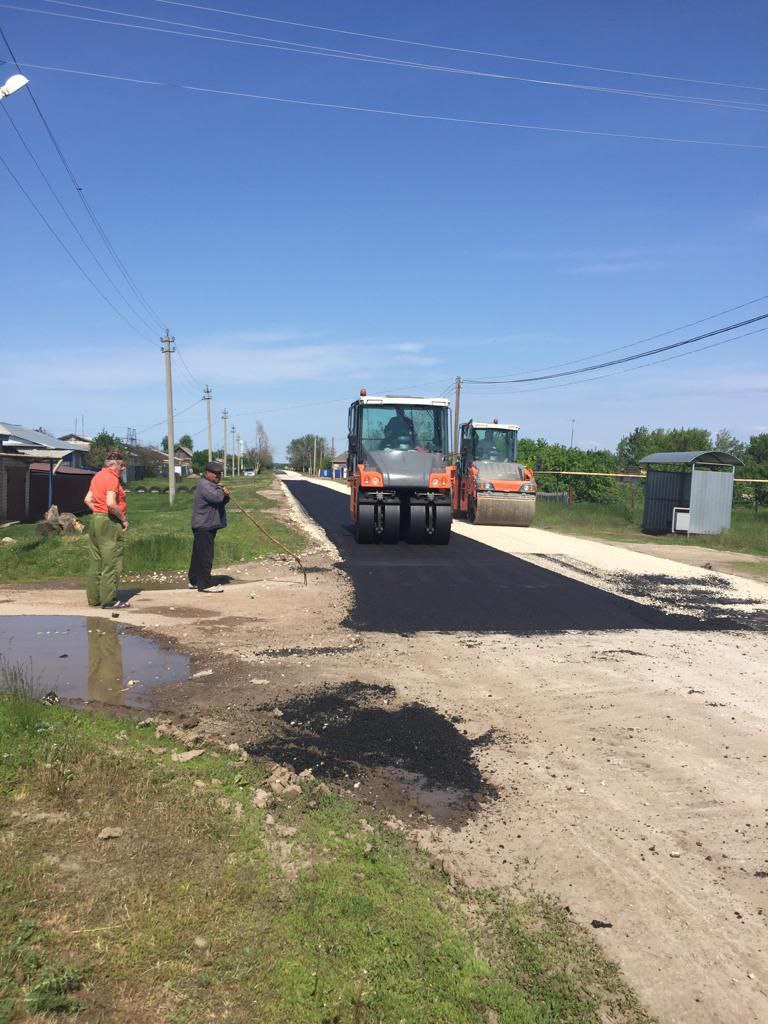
(631, 768)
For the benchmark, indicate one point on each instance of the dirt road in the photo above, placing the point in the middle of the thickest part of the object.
(616, 757)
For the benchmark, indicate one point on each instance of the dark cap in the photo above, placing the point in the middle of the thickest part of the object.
(214, 467)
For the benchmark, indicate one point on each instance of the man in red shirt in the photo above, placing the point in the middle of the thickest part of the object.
(106, 531)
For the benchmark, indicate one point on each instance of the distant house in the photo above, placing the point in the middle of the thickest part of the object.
(142, 462)
(182, 458)
(79, 458)
(339, 466)
(33, 474)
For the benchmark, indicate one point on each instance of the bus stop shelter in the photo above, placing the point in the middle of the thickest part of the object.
(695, 497)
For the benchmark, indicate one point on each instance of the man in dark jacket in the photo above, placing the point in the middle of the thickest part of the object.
(208, 515)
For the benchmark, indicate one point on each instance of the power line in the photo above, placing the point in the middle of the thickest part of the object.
(69, 252)
(80, 192)
(66, 213)
(176, 412)
(629, 369)
(459, 49)
(625, 359)
(652, 337)
(289, 46)
(406, 115)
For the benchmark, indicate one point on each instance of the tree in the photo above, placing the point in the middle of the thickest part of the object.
(643, 441)
(185, 441)
(542, 456)
(726, 442)
(261, 454)
(199, 461)
(164, 443)
(757, 450)
(302, 450)
(101, 445)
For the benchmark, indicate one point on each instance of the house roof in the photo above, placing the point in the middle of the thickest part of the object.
(79, 438)
(146, 455)
(181, 448)
(18, 435)
(694, 458)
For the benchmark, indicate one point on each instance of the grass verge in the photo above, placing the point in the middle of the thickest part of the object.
(159, 537)
(207, 908)
(748, 533)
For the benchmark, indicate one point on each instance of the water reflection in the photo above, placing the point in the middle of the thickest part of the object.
(91, 659)
(105, 662)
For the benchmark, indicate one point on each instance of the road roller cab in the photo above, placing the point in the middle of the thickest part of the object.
(490, 486)
(398, 468)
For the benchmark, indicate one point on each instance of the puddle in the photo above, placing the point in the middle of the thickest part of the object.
(443, 804)
(91, 659)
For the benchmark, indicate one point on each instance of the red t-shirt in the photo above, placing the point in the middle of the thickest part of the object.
(106, 480)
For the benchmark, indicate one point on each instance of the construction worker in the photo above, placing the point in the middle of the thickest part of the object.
(209, 515)
(398, 432)
(106, 532)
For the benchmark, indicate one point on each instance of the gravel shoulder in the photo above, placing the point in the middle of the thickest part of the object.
(626, 771)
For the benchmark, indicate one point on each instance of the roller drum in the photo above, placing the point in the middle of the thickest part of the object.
(505, 509)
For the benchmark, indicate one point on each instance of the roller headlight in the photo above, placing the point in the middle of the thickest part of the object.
(486, 486)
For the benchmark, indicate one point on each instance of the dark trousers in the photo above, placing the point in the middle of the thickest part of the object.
(202, 558)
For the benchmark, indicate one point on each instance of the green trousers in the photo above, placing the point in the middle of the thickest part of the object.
(106, 560)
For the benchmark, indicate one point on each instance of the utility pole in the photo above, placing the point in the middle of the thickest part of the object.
(573, 423)
(168, 343)
(232, 430)
(207, 396)
(314, 455)
(224, 416)
(456, 405)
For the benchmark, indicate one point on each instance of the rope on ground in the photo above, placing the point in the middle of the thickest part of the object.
(273, 539)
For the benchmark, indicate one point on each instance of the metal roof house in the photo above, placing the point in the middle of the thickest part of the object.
(31, 476)
(693, 500)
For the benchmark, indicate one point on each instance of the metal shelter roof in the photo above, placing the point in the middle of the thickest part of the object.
(19, 435)
(694, 458)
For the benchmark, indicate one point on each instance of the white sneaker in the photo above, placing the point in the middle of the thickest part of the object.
(191, 586)
(214, 589)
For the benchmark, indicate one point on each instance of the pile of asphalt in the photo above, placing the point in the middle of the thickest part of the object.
(340, 732)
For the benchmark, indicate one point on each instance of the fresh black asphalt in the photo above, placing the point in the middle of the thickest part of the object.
(467, 586)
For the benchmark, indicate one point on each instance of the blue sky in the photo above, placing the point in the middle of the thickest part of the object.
(300, 252)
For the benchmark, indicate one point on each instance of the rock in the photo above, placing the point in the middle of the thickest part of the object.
(200, 942)
(190, 723)
(601, 924)
(202, 672)
(110, 833)
(261, 798)
(269, 820)
(276, 786)
(277, 713)
(187, 755)
(157, 750)
(365, 826)
(675, 853)
(8, 540)
(145, 723)
(292, 790)
(198, 784)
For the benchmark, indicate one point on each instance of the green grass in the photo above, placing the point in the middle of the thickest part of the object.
(159, 537)
(621, 522)
(200, 907)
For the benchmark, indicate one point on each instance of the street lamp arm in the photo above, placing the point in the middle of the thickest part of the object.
(14, 83)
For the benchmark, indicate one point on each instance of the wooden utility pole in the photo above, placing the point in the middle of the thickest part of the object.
(207, 396)
(232, 431)
(225, 416)
(168, 347)
(456, 406)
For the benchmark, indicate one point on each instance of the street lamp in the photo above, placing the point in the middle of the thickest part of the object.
(14, 83)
